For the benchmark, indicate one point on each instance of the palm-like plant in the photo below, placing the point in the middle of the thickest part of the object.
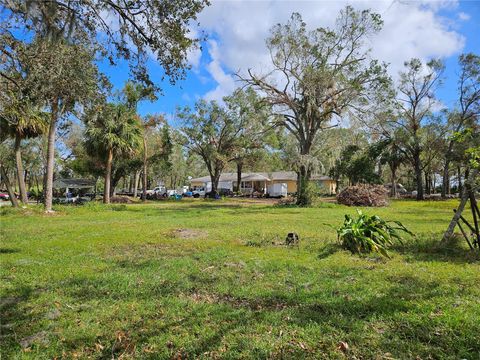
(111, 131)
(367, 234)
(21, 119)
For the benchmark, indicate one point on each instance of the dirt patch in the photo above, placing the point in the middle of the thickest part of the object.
(40, 338)
(188, 233)
(257, 304)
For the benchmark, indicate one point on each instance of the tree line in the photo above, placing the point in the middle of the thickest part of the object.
(326, 107)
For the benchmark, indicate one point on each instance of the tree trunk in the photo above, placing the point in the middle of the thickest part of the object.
(446, 179)
(11, 194)
(20, 172)
(214, 178)
(418, 177)
(108, 176)
(303, 178)
(137, 180)
(459, 177)
(51, 158)
(427, 184)
(239, 175)
(144, 177)
(28, 180)
(393, 190)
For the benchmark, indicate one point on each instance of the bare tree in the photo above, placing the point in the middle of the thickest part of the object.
(318, 75)
(416, 101)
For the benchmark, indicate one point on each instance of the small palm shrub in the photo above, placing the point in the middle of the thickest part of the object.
(366, 234)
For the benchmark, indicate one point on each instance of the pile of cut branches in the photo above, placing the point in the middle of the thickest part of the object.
(363, 195)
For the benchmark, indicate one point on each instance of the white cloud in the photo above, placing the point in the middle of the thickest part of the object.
(194, 54)
(411, 29)
(463, 16)
(226, 83)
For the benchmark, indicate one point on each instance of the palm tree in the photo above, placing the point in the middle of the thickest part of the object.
(21, 119)
(394, 157)
(112, 131)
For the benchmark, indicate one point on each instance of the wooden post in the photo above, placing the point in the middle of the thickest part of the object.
(464, 199)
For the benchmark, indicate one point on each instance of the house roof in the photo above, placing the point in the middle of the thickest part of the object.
(255, 177)
(74, 183)
(260, 176)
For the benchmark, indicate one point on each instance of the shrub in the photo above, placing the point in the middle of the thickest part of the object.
(363, 195)
(367, 234)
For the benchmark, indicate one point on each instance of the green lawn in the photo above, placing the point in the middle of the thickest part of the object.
(124, 281)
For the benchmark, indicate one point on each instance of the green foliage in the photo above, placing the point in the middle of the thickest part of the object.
(358, 165)
(161, 27)
(112, 127)
(366, 234)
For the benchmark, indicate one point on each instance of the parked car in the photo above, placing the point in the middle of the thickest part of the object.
(4, 196)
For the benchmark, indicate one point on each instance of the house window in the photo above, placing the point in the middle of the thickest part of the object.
(246, 184)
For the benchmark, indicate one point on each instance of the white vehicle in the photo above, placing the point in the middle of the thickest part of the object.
(159, 190)
(171, 192)
(277, 190)
(198, 192)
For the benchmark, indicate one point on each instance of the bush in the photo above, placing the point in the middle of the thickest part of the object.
(363, 195)
(367, 234)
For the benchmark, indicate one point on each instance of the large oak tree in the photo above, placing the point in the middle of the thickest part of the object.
(318, 75)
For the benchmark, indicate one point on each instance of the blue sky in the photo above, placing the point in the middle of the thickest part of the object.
(236, 31)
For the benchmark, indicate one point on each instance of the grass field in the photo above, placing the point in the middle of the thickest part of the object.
(201, 279)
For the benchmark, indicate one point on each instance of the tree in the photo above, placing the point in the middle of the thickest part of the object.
(5, 156)
(324, 73)
(150, 122)
(212, 134)
(247, 108)
(20, 119)
(74, 31)
(164, 147)
(112, 130)
(358, 165)
(416, 102)
(70, 79)
(394, 157)
(118, 29)
(467, 111)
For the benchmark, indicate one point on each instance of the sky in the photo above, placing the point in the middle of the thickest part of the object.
(236, 31)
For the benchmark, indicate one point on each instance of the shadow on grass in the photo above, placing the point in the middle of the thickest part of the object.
(202, 208)
(15, 319)
(433, 249)
(328, 250)
(9, 250)
(208, 317)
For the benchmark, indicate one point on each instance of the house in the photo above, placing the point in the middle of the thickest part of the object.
(259, 182)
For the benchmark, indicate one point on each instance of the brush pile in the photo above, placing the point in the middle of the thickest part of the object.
(120, 200)
(363, 195)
